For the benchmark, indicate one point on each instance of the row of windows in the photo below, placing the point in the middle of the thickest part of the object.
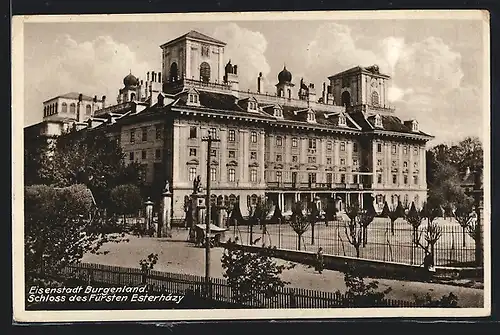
(313, 143)
(231, 174)
(144, 133)
(395, 199)
(395, 179)
(394, 149)
(212, 132)
(144, 154)
(52, 109)
(395, 163)
(312, 177)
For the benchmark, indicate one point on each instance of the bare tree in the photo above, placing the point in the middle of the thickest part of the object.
(353, 229)
(431, 235)
(463, 210)
(299, 222)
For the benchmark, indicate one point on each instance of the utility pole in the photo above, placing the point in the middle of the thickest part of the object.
(209, 141)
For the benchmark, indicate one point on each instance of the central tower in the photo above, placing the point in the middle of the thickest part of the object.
(192, 56)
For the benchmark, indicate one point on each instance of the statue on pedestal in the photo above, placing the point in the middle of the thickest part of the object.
(166, 189)
(197, 185)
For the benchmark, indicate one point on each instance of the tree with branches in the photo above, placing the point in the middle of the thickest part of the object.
(365, 218)
(353, 229)
(258, 216)
(431, 233)
(414, 219)
(251, 274)
(61, 225)
(463, 214)
(299, 222)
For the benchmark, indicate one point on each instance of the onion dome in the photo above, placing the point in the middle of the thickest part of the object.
(284, 75)
(130, 80)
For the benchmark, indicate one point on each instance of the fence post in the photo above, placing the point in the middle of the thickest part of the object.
(293, 299)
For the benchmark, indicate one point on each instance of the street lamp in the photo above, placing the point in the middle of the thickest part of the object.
(209, 141)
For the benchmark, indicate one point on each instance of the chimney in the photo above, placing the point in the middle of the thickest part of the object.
(103, 101)
(159, 77)
(147, 76)
(323, 93)
(260, 83)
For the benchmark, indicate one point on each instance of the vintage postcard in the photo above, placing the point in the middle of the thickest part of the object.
(251, 166)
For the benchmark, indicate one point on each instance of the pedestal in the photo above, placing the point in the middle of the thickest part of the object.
(165, 213)
(148, 220)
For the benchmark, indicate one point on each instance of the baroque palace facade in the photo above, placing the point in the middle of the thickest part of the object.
(294, 144)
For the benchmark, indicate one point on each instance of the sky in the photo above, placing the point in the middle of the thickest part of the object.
(436, 66)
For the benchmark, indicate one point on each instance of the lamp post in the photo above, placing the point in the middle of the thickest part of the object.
(209, 141)
(478, 200)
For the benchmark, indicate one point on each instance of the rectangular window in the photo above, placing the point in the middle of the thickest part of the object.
(157, 154)
(355, 179)
(231, 136)
(158, 132)
(394, 178)
(212, 132)
(328, 160)
(379, 162)
(379, 147)
(311, 159)
(253, 137)
(415, 165)
(415, 180)
(329, 145)
(279, 176)
(405, 179)
(192, 173)
(192, 152)
(295, 159)
(253, 175)
(342, 146)
(253, 154)
(131, 156)
(311, 178)
(279, 141)
(232, 175)
(213, 153)
(144, 134)
(405, 164)
(132, 136)
(312, 143)
(342, 178)
(342, 161)
(213, 174)
(355, 162)
(379, 178)
(405, 150)
(192, 132)
(294, 142)
(232, 154)
(393, 150)
(279, 158)
(329, 178)
(355, 147)
(415, 151)
(143, 154)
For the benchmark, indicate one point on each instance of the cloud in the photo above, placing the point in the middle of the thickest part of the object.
(245, 48)
(334, 46)
(94, 67)
(392, 47)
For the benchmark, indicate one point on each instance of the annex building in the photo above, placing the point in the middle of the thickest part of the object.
(294, 143)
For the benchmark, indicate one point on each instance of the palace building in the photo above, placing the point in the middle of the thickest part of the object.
(342, 142)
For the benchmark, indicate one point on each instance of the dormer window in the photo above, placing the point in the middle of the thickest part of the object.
(342, 120)
(193, 99)
(252, 106)
(378, 121)
(311, 117)
(414, 125)
(278, 112)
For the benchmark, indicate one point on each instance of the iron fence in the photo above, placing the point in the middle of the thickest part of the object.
(455, 247)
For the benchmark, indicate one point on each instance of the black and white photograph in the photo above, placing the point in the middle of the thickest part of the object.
(266, 165)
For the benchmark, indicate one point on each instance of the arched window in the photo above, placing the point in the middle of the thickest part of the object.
(375, 99)
(280, 93)
(253, 199)
(88, 109)
(378, 121)
(417, 201)
(132, 97)
(406, 200)
(173, 75)
(205, 72)
(72, 108)
(289, 93)
(346, 99)
(64, 107)
(342, 120)
(45, 111)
